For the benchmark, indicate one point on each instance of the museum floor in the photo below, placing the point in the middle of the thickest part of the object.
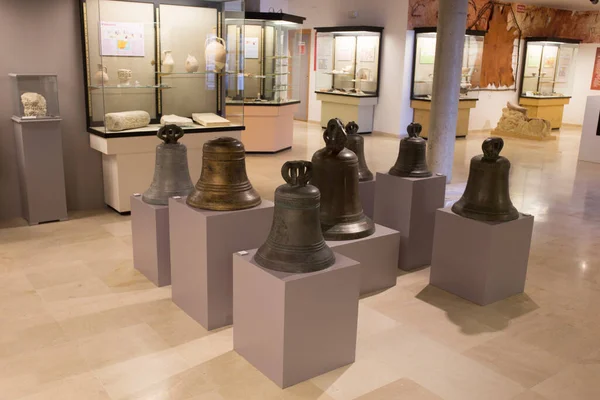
(78, 323)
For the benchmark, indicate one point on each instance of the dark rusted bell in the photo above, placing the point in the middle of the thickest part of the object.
(335, 174)
(356, 143)
(171, 173)
(295, 243)
(223, 183)
(412, 157)
(486, 197)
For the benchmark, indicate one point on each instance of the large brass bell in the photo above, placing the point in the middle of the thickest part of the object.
(412, 156)
(171, 173)
(335, 174)
(223, 183)
(486, 197)
(295, 243)
(356, 143)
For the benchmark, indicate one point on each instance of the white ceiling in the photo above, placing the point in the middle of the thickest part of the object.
(581, 5)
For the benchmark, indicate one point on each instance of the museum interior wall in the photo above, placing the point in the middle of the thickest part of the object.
(44, 37)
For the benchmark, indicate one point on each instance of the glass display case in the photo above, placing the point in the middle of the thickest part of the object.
(548, 67)
(347, 60)
(272, 53)
(424, 60)
(34, 96)
(149, 62)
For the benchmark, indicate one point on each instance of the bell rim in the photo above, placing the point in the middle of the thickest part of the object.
(511, 215)
(338, 233)
(218, 205)
(295, 268)
(366, 177)
(396, 172)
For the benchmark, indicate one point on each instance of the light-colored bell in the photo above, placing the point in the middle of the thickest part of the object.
(171, 173)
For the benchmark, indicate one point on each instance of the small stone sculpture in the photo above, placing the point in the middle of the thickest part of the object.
(34, 104)
(124, 76)
(120, 121)
(515, 123)
(173, 119)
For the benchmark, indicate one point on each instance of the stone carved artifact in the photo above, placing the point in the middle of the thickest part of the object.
(335, 174)
(223, 183)
(120, 121)
(34, 105)
(515, 122)
(191, 64)
(412, 156)
(486, 197)
(172, 119)
(168, 63)
(295, 243)
(171, 172)
(214, 52)
(124, 76)
(101, 76)
(356, 143)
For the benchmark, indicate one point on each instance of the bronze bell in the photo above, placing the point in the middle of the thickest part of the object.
(486, 197)
(295, 243)
(223, 183)
(171, 173)
(335, 174)
(356, 143)
(412, 157)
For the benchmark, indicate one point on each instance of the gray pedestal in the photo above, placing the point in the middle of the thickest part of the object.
(150, 238)
(480, 261)
(293, 327)
(408, 205)
(377, 255)
(202, 244)
(41, 171)
(366, 192)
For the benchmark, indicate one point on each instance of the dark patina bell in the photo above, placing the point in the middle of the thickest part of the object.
(295, 243)
(356, 143)
(412, 157)
(171, 173)
(335, 174)
(223, 183)
(486, 197)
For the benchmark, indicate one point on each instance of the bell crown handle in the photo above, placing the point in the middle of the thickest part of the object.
(297, 173)
(351, 128)
(492, 147)
(414, 129)
(170, 134)
(335, 136)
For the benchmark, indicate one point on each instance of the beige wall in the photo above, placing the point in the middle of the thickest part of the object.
(44, 37)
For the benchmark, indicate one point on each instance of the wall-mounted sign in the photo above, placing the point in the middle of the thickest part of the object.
(122, 39)
(251, 47)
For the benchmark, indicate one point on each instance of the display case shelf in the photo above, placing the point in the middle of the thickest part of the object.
(160, 87)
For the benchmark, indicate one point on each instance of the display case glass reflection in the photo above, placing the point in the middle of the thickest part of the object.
(347, 60)
(149, 63)
(424, 60)
(35, 96)
(548, 67)
(273, 50)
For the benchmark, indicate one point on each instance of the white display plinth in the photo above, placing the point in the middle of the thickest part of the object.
(589, 148)
(483, 262)
(293, 327)
(150, 239)
(359, 109)
(366, 191)
(409, 205)
(202, 244)
(377, 255)
(128, 162)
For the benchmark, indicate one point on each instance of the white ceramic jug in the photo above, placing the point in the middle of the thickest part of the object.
(191, 64)
(101, 76)
(168, 63)
(215, 53)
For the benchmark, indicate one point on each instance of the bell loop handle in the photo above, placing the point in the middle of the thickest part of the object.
(351, 128)
(414, 129)
(170, 134)
(335, 136)
(297, 173)
(492, 147)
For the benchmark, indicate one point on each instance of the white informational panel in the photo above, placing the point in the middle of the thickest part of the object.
(122, 39)
(589, 149)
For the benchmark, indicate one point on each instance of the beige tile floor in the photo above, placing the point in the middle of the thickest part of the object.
(77, 322)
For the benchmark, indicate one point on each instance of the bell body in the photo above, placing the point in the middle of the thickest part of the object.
(356, 144)
(295, 243)
(486, 196)
(223, 183)
(412, 159)
(171, 174)
(336, 177)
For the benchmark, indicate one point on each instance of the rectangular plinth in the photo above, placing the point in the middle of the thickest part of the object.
(408, 205)
(366, 192)
(348, 108)
(293, 327)
(377, 255)
(202, 243)
(150, 238)
(483, 262)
